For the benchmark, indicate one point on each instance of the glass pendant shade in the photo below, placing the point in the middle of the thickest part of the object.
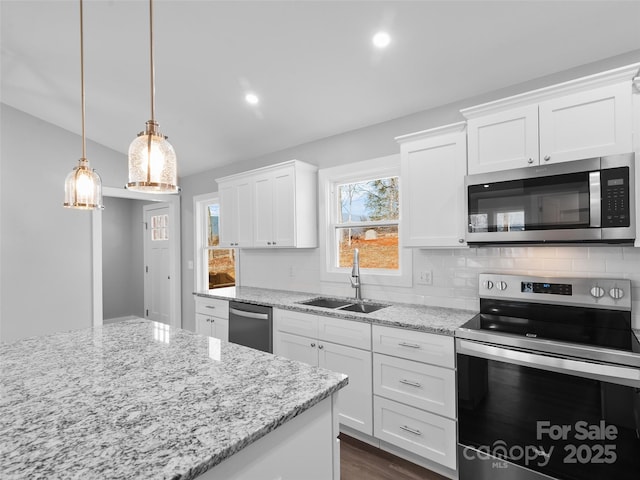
(152, 163)
(83, 188)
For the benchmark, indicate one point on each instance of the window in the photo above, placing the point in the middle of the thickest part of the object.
(367, 219)
(361, 205)
(215, 267)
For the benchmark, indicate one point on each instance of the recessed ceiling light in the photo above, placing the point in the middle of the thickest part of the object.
(381, 39)
(251, 98)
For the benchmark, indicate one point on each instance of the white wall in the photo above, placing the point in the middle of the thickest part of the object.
(454, 271)
(122, 258)
(45, 253)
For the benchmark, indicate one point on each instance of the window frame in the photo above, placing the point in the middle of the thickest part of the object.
(201, 245)
(328, 179)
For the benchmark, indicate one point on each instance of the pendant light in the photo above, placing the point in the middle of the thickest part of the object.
(152, 160)
(83, 187)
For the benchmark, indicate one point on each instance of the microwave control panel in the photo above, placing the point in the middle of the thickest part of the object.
(615, 197)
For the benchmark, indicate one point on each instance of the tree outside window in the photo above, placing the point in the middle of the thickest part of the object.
(368, 219)
(221, 261)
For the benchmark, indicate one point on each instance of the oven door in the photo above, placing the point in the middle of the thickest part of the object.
(526, 416)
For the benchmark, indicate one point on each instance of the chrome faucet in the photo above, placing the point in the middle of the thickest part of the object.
(355, 274)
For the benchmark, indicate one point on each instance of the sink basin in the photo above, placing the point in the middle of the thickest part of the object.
(326, 302)
(363, 307)
(335, 304)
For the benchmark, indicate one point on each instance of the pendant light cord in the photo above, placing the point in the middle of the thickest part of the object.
(84, 143)
(153, 83)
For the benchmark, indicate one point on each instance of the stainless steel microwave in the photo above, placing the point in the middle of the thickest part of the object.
(590, 200)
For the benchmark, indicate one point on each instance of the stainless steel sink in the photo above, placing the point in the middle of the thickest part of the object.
(336, 304)
(326, 302)
(363, 307)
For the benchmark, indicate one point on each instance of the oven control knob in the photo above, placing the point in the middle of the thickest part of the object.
(501, 286)
(597, 292)
(616, 293)
(488, 284)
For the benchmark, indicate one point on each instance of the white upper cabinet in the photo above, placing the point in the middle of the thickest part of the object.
(503, 140)
(587, 124)
(236, 229)
(585, 118)
(278, 203)
(432, 169)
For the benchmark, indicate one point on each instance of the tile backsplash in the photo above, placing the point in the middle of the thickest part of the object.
(454, 271)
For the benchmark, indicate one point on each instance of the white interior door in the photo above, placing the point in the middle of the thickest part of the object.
(157, 247)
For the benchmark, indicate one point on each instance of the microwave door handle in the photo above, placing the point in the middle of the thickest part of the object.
(606, 373)
(595, 202)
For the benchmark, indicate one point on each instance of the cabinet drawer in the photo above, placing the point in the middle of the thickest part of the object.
(417, 384)
(345, 332)
(425, 434)
(414, 345)
(213, 307)
(295, 322)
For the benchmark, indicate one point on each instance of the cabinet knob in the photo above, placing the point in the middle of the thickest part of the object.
(320, 347)
(274, 243)
(268, 243)
(547, 158)
(461, 240)
(313, 345)
(530, 161)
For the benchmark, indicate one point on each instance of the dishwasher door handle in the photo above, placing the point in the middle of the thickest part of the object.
(242, 313)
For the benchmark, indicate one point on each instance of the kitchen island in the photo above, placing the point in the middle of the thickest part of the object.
(142, 400)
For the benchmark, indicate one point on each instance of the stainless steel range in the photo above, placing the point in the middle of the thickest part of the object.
(549, 381)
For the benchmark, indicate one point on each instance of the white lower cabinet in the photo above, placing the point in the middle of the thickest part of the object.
(423, 433)
(402, 383)
(212, 317)
(354, 402)
(414, 386)
(417, 384)
(305, 337)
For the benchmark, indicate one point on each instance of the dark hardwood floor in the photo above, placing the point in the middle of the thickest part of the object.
(361, 461)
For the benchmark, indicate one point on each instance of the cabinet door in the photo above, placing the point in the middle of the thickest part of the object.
(236, 219)
(587, 124)
(284, 208)
(263, 207)
(432, 173)
(295, 347)
(228, 215)
(355, 408)
(220, 328)
(244, 213)
(503, 140)
(203, 324)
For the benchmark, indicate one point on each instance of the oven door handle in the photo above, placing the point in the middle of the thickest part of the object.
(603, 372)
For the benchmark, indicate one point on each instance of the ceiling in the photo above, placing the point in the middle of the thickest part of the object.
(311, 62)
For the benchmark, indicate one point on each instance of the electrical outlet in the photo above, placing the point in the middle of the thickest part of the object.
(425, 277)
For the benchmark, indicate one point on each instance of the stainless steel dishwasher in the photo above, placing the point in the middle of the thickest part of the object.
(251, 325)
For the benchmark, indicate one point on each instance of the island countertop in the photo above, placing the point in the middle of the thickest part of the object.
(440, 320)
(142, 400)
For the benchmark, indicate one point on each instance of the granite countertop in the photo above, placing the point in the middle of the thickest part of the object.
(142, 400)
(426, 318)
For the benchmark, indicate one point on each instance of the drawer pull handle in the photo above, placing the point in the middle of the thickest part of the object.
(410, 345)
(410, 383)
(209, 306)
(411, 430)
